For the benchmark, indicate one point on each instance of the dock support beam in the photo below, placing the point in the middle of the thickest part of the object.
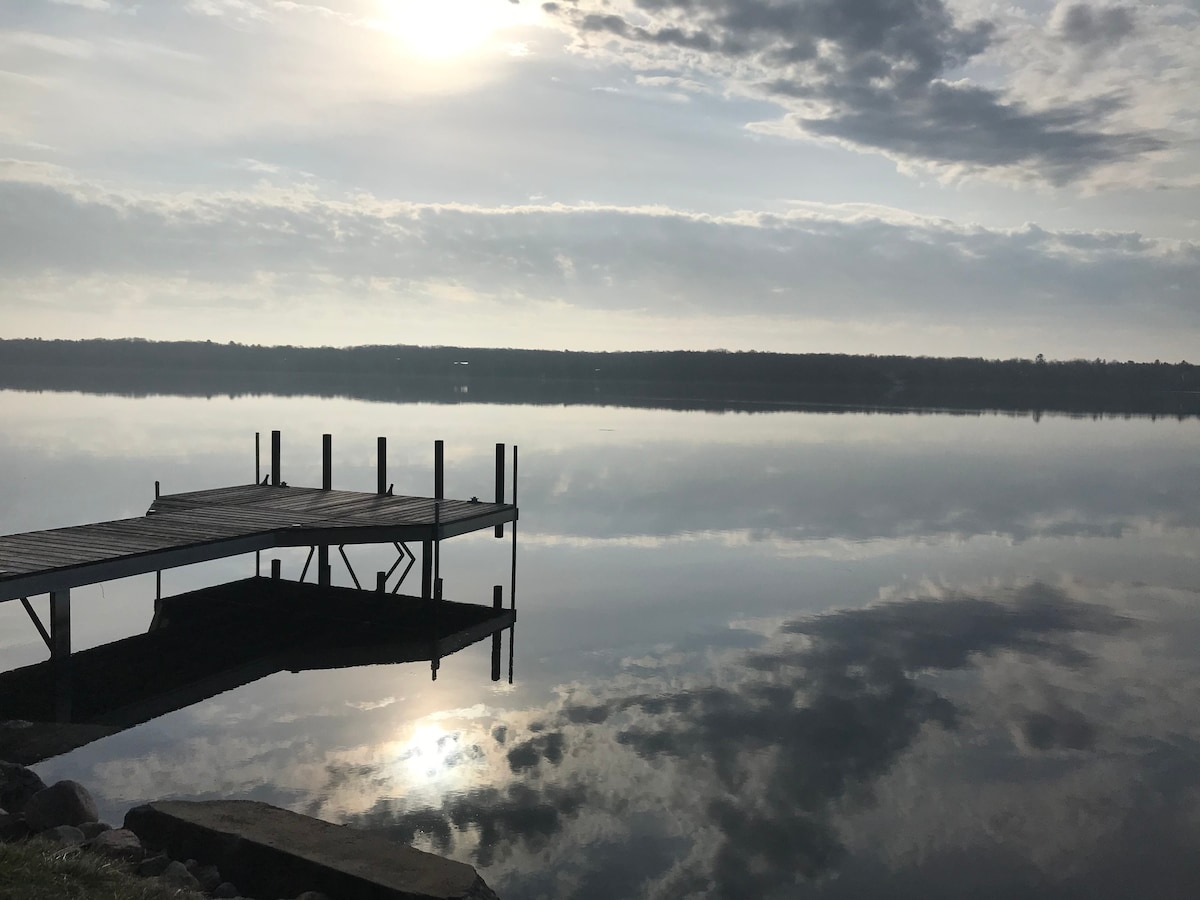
(439, 470)
(275, 462)
(426, 570)
(327, 462)
(500, 484)
(324, 575)
(60, 623)
(381, 465)
(497, 637)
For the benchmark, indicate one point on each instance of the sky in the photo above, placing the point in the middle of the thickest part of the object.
(938, 177)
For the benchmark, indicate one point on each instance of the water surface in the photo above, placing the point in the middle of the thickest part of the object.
(759, 655)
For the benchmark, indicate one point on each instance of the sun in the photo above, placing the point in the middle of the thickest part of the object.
(448, 29)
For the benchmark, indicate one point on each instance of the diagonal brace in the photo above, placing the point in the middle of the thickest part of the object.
(37, 622)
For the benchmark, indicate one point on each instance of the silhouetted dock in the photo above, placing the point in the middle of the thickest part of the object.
(199, 526)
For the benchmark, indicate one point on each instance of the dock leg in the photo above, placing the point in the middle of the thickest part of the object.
(500, 484)
(497, 605)
(157, 591)
(324, 574)
(327, 462)
(275, 460)
(381, 465)
(426, 570)
(60, 623)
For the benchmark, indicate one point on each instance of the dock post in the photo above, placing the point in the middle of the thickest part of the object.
(437, 549)
(60, 623)
(512, 589)
(426, 570)
(500, 484)
(257, 457)
(497, 605)
(381, 582)
(381, 465)
(327, 462)
(157, 489)
(324, 573)
(275, 463)
(439, 470)
(276, 569)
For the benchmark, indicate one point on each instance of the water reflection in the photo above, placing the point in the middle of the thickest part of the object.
(778, 766)
(836, 655)
(213, 640)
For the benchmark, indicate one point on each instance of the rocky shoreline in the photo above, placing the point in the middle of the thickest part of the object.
(65, 815)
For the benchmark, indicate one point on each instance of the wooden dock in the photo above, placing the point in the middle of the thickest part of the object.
(199, 526)
(182, 529)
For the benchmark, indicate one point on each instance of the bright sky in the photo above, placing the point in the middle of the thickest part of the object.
(915, 176)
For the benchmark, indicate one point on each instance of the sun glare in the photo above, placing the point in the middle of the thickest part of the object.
(445, 29)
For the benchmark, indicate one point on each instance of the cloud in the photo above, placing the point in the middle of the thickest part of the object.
(877, 76)
(1093, 27)
(841, 264)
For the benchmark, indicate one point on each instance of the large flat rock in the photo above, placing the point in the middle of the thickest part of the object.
(271, 852)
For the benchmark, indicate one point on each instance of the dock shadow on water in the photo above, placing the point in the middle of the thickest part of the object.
(205, 642)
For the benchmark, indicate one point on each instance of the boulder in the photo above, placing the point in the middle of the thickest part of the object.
(176, 876)
(62, 835)
(12, 828)
(208, 876)
(152, 866)
(118, 843)
(225, 891)
(17, 785)
(63, 803)
(92, 830)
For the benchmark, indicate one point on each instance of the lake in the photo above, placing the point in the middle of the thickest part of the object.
(758, 654)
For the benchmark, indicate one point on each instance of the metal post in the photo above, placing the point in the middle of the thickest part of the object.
(500, 484)
(326, 462)
(439, 470)
(497, 605)
(324, 573)
(426, 570)
(276, 569)
(60, 623)
(257, 457)
(275, 460)
(157, 490)
(381, 464)
(437, 547)
(512, 588)
(381, 582)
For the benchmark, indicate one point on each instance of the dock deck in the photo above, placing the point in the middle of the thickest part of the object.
(181, 529)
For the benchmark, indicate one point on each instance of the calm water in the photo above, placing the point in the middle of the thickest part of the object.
(770, 655)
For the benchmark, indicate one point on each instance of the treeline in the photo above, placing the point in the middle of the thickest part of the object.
(773, 374)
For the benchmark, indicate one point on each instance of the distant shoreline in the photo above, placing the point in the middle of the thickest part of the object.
(703, 380)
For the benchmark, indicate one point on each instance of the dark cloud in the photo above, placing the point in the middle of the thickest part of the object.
(1089, 26)
(874, 73)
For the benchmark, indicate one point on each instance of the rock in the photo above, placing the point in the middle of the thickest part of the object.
(17, 785)
(63, 836)
(92, 830)
(153, 865)
(312, 895)
(208, 876)
(12, 828)
(271, 852)
(176, 875)
(118, 843)
(63, 803)
(225, 891)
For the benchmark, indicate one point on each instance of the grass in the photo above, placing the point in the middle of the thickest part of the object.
(36, 870)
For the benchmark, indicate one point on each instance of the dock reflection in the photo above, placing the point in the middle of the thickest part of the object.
(212, 640)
